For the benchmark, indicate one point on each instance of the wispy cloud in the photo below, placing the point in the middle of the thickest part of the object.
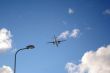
(107, 12)
(71, 11)
(6, 69)
(71, 68)
(75, 33)
(92, 62)
(63, 35)
(5, 39)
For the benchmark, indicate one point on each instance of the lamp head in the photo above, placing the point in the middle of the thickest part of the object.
(30, 47)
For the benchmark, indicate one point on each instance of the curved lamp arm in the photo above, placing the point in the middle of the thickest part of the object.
(27, 47)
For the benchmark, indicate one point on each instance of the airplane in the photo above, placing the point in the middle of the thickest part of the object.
(56, 41)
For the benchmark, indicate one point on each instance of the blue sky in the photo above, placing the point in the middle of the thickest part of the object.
(36, 22)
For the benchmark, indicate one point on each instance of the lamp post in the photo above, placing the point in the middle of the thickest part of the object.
(27, 47)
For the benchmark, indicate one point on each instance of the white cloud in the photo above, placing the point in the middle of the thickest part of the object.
(5, 39)
(6, 69)
(93, 62)
(75, 33)
(107, 12)
(66, 34)
(70, 11)
(71, 68)
(63, 35)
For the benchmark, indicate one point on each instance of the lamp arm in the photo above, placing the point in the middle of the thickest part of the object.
(15, 58)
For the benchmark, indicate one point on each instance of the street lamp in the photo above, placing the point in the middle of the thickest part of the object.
(27, 47)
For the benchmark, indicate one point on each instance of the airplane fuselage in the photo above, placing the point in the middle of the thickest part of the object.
(56, 41)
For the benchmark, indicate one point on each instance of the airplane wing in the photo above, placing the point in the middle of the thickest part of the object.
(50, 42)
(61, 41)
